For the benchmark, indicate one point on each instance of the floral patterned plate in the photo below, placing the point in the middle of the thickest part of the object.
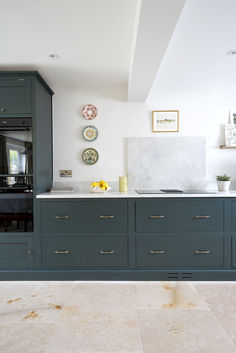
(89, 133)
(90, 156)
(89, 112)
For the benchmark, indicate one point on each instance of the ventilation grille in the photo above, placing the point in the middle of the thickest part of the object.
(180, 276)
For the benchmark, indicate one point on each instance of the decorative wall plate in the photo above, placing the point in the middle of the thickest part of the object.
(89, 133)
(89, 112)
(90, 156)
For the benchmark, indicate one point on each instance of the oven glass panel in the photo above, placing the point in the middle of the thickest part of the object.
(16, 212)
(16, 152)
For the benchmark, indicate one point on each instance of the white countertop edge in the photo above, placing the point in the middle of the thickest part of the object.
(130, 194)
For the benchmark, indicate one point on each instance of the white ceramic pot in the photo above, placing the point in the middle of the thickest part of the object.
(223, 185)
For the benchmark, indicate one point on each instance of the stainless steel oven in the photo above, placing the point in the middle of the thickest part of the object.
(16, 175)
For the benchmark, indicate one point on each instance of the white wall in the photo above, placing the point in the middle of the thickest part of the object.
(196, 77)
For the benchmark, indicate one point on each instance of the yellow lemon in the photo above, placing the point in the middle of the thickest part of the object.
(102, 182)
(94, 184)
(106, 185)
(103, 188)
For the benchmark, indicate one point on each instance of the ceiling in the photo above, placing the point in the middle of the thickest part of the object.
(93, 39)
(98, 42)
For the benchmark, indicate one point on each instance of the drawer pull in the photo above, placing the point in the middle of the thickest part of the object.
(157, 217)
(201, 217)
(107, 217)
(202, 252)
(61, 217)
(62, 252)
(156, 252)
(107, 252)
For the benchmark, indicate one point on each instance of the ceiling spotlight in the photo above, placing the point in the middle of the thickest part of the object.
(232, 52)
(53, 56)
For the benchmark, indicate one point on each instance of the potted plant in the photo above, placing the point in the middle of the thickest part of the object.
(223, 182)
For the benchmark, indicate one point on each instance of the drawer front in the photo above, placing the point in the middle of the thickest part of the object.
(201, 251)
(16, 252)
(15, 95)
(84, 217)
(179, 215)
(73, 251)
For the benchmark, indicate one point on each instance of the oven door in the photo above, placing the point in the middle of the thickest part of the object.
(16, 212)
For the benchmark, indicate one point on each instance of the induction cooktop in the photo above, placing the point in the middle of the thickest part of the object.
(174, 191)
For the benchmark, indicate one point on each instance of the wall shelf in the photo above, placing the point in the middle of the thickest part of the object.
(224, 147)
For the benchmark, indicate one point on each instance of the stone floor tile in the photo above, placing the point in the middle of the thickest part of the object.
(20, 338)
(100, 295)
(96, 330)
(221, 299)
(168, 295)
(37, 301)
(183, 331)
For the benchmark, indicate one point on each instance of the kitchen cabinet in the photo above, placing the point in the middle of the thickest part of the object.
(25, 97)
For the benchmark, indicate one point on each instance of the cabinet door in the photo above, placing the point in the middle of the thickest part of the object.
(84, 216)
(15, 95)
(73, 251)
(16, 252)
(199, 215)
(188, 251)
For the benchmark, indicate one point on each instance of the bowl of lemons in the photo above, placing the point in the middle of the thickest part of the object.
(99, 186)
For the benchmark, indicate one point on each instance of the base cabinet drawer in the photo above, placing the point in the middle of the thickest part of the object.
(16, 252)
(84, 217)
(179, 215)
(200, 251)
(73, 251)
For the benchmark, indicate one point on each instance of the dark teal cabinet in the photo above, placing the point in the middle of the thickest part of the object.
(180, 251)
(82, 251)
(15, 95)
(178, 215)
(24, 94)
(84, 216)
(16, 252)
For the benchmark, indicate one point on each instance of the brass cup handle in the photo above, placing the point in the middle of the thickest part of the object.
(62, 217)
(156, 252)
(61, 252)
(107, 217)
(157, 217)
(107, 252)
(202, 252)
(201, 217)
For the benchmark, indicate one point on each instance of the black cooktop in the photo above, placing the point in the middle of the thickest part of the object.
(174, 191)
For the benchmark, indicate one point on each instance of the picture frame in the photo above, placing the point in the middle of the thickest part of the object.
(230, 135)
(233, 116)
(165, 121)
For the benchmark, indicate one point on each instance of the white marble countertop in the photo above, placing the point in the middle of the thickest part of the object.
(130, 194)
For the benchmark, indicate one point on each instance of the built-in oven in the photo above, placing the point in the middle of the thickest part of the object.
(16, 175)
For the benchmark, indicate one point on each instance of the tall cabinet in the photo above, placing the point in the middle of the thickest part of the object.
(25, 96)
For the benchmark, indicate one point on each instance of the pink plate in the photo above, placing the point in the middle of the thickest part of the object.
(89, 112)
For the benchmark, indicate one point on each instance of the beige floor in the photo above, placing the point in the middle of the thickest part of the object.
(118, 317)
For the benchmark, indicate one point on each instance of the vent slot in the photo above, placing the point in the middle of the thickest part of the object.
(187, 275)
(173, 275)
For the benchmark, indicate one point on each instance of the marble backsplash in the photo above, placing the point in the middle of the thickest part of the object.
(167, 162)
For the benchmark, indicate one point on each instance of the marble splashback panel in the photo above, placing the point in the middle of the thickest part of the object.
(167, 162)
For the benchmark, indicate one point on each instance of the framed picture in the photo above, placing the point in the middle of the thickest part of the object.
(230, 135)
(233, 116)
(165, 121)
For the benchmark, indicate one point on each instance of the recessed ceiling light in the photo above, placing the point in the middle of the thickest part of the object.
(53, 56)
(232, 52)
